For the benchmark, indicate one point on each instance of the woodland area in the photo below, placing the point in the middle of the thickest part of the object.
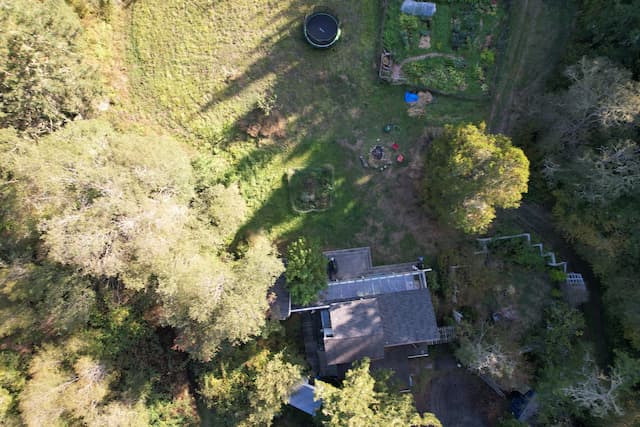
(583, 139)
(143, 222)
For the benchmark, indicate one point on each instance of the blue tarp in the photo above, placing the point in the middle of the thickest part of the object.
(410, 97)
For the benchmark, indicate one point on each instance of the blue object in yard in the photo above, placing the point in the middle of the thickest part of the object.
(410, 98)
(303, 397)
(519, 403)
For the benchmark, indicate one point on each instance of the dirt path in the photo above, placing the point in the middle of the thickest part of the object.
(429, 55)
(538, 34)
(515, 60)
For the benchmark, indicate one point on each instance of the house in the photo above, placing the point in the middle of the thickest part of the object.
(384, 313)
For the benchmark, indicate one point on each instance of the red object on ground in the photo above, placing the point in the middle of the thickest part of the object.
(395, 146)
(400, 158)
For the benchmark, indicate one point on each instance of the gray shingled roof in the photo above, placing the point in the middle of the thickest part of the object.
(347, 350)
(364, 327)
(357, 332)
(407, 317)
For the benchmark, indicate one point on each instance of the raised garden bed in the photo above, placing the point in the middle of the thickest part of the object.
(451, 52)
(311, 189)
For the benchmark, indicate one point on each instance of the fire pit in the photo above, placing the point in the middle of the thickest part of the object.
(377, 152)
(377, 158)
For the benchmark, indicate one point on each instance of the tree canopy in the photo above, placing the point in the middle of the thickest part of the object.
(470, 173)
(306, 271)
(120, 206)
(44, 79)
(363, 401)
(249, 392)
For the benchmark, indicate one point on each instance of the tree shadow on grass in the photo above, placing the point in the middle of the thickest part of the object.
(335, 110)
(335, 227)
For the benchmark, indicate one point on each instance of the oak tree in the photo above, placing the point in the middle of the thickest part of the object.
(470, 173)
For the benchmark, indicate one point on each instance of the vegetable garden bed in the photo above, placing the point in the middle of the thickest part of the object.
(311, 190)
(464, 29)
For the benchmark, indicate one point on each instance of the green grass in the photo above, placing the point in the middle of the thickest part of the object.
(202, 70)
(537, 36)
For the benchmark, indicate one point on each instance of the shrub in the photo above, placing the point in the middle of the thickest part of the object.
(557, 276)
(306, 271)
(487, 57)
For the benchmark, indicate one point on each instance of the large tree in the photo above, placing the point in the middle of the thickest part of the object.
(363, 401)
(482, 352)
(248, 392)
(44, 80)
(600, 96)
(121, 206)
(470, 172)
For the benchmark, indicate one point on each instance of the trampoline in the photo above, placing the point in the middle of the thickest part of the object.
(321, 29)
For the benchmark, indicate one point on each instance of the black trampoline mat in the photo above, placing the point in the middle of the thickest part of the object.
(322, 27)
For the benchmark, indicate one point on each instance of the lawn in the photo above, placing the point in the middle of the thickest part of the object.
(207, 72)
(538, 32)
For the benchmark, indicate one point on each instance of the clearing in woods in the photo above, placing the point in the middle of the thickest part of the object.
(218, 79)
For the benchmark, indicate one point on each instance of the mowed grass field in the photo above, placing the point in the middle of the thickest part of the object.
(538, 34)
(201, 67)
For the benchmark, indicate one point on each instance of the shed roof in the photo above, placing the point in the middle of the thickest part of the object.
(303, 398)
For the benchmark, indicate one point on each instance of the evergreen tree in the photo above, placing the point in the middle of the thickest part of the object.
(248, 392)
(470, 172)
(363, 402)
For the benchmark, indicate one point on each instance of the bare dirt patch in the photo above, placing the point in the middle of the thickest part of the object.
(397, 194)
(418, 108)
(458, 397)
(425, 42)
(260, 125)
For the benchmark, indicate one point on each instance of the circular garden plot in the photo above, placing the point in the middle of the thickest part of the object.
(311, 189)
